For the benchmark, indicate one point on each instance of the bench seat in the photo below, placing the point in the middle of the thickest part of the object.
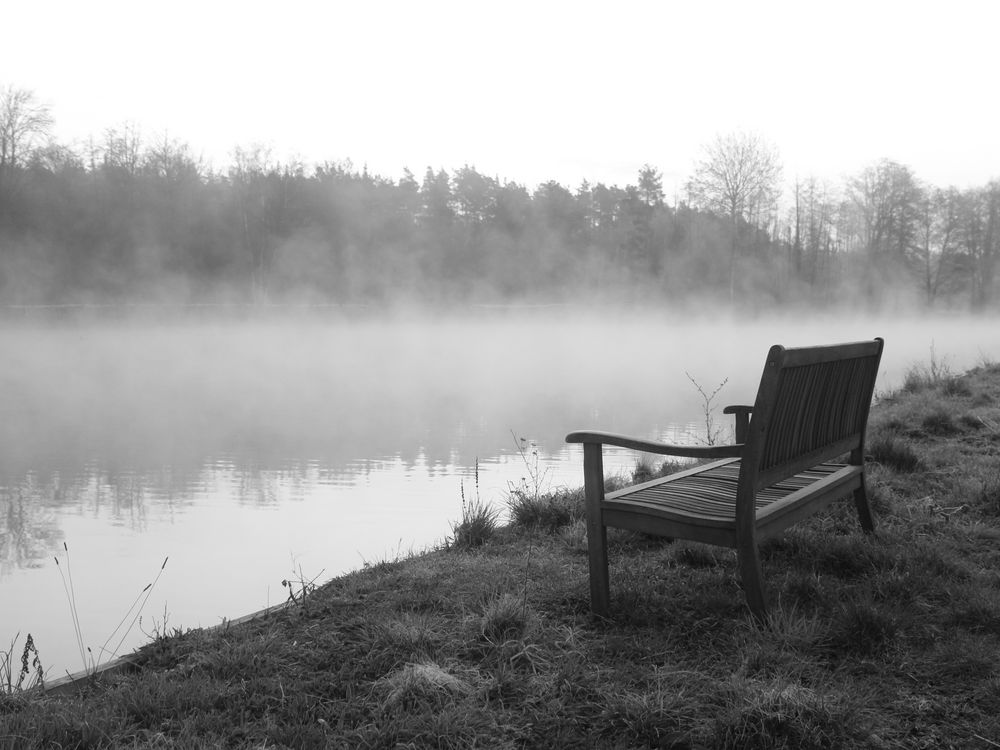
(700, 503)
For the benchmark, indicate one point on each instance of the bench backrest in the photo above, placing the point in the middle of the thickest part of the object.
(812, 406)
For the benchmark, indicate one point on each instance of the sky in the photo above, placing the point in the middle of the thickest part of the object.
(526, 91)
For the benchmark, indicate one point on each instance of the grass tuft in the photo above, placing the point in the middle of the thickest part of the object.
(862, 629)
(424, 686)
(890, 450)
(644, 469)
(504, 618)
(479, 523)
(547, 512)
(939, 422)
(698, 555)
(574, 536)
(478, 526)
(920, 377)
(956, 387)
(785, 714)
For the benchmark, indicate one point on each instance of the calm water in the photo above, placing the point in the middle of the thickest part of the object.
(246, 451)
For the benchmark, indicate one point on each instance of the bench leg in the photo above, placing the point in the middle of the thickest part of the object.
(600, 591)
(864, 509)
(597, 533)
(752, 578)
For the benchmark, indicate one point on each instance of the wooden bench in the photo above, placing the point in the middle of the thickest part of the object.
(811, 409)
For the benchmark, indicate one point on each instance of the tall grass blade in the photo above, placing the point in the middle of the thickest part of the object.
(147, 591)
(71, 600)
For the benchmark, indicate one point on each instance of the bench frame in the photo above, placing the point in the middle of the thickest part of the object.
(811, 408)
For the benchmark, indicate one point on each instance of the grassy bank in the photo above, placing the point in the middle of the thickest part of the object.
(885, 642)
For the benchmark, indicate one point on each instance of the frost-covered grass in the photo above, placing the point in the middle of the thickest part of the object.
(884, 642)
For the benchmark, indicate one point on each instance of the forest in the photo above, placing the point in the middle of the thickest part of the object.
(126, 220)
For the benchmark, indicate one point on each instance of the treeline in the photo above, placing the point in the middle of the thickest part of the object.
(124, 221)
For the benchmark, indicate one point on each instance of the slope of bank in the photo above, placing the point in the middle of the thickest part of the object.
(885, 642)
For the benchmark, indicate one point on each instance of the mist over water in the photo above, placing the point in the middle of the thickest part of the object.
(246, 449)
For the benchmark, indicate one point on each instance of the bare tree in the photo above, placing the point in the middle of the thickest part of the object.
(813, 246)
(980, 238)
(171, 160)
(887, 195)
(23, 122)
(738, 177)
(938, 239)
(123, 148)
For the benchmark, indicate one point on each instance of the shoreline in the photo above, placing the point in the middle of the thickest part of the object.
(130, 662)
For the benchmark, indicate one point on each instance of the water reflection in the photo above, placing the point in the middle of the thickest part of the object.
(28, 532)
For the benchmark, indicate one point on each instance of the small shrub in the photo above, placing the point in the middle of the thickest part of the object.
(988, 365)
(894, 424)
(956, 387)
(939, 422)
(889, 450)
(983, 399)
(915, 380)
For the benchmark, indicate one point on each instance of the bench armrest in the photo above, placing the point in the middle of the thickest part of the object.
(655, 446)
(742, 413)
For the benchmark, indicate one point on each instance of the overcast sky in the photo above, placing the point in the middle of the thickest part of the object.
(527, 91)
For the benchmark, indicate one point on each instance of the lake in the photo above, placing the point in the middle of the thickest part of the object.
(250, 451)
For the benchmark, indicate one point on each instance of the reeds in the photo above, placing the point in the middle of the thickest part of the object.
(91, 663)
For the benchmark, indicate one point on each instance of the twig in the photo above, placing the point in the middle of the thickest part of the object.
(711, 434)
